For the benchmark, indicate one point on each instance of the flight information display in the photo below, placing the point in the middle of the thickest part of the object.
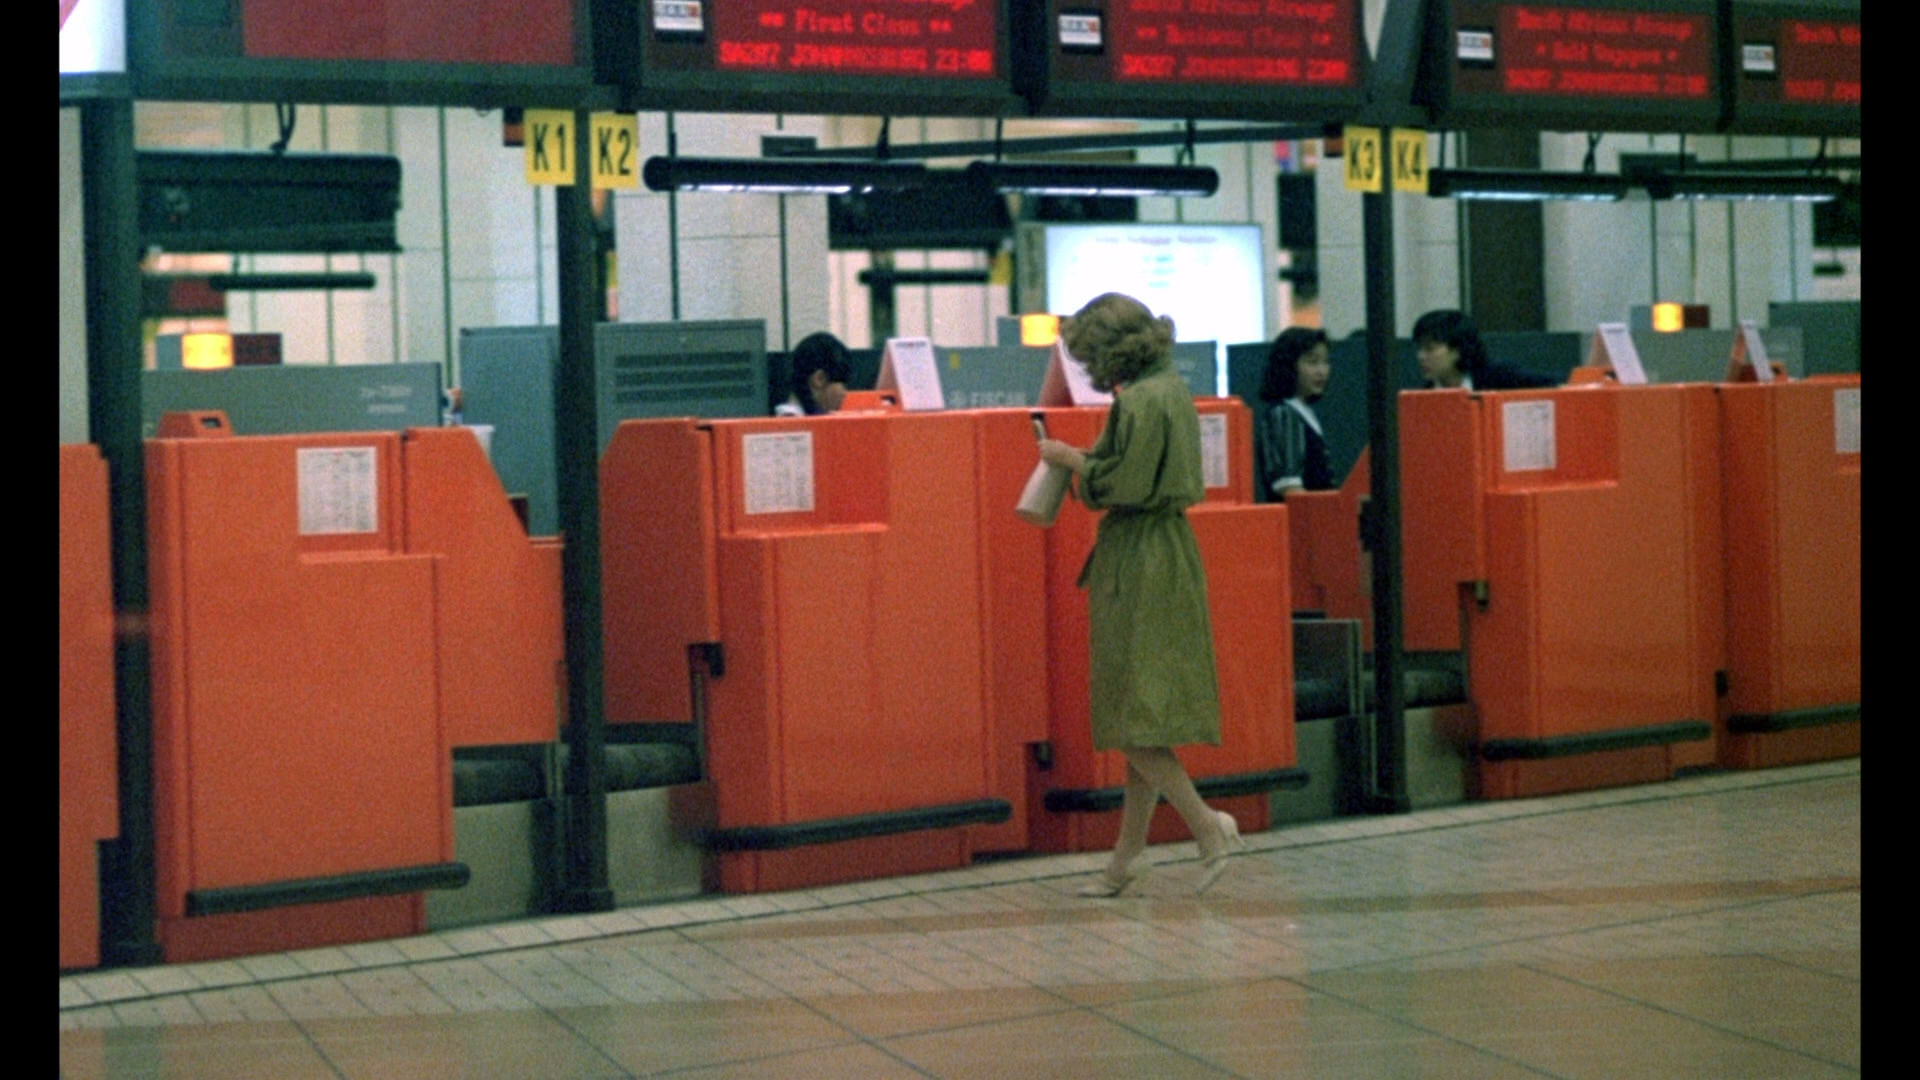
(1619, 65)
(483, 52)
(1798, 68)
(945, 38)
(1556, 50)
(1268, 59)
(841, 56)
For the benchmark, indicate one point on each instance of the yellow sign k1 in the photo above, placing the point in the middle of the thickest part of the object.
(548, 135)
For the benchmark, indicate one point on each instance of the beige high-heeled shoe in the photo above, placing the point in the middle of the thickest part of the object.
(1231, 844)
(1105, 885)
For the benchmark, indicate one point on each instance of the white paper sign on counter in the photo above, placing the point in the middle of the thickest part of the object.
(779, 472)
(1527, 430)
(1613, 348)
(1067, 382)
(1213, 451)
(339, 489)
(907, 366)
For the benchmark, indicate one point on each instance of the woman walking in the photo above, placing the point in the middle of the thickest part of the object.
(1153, 679)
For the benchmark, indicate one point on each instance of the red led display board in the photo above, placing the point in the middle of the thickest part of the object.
(479, 52)
(1279, 60)
(1796, 67)
(858, 57)
(510, 32)
(1574, 65)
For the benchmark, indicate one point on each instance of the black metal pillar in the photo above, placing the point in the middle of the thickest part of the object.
(881, 314)
(1504, 242)
(109, 194)
(1388, 791)
(577, 462)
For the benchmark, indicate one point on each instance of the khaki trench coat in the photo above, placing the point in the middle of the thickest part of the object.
(1153, 676)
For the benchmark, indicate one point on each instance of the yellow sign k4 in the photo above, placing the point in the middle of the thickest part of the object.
(1409, 151)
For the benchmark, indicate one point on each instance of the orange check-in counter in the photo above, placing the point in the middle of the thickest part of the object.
(1074, 795)
(1331, 574)
(1014, 555)
(1569, 540)
(1790, 452)
(331, 615)
(89, 773)
(827, 576)
(500, 643)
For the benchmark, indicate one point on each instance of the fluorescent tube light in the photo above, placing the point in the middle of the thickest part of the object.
(780, 177)
(1048, 178)
(1523, 186)
(1725, 186)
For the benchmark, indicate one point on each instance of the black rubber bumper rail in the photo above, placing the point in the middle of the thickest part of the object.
(1793, 719)
(1101, 800)
(857, 827)
(322, 890)
(1598, 742)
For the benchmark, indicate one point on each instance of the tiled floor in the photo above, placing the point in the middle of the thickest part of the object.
(1708, 927)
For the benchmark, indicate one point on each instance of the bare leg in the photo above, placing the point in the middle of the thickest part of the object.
(1136, 814)
(1163, 770)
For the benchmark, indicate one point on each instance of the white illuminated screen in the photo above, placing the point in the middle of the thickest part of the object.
(93, 36)
(1210, 279)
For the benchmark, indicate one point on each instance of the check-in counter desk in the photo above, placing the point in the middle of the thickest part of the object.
(331, 615)
(1790, 453)
(1331, 577)
(89, 774)
(1568, 540)
(1075, 791)
(811, 592)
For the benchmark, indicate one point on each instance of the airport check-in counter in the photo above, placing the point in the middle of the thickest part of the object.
(1331, 576)
(1569, 542)
(331, 615)
(89, 775)
(1790, 455)
(1075, 791)
(810, 593)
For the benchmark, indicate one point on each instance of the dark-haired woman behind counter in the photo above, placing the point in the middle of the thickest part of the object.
(1452, 356)
(1290, 446)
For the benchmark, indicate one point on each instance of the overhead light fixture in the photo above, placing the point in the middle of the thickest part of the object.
(1049, 178)
(1725, 186)
(289, 282)
(775, 177)
(1521, 186)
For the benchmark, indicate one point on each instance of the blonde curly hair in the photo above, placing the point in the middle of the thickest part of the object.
(1117, 338)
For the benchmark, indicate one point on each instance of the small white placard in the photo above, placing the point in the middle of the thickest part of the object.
(1213, 450)
(1757, 59)
(677, 16)
(1613, 349)
(1081, 31)
(779, 472)
(1846, 420)
(1749, 349)
(1067, 382)
(907, 366)
(339, 489)
(1476, 45)
(1527, 428)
